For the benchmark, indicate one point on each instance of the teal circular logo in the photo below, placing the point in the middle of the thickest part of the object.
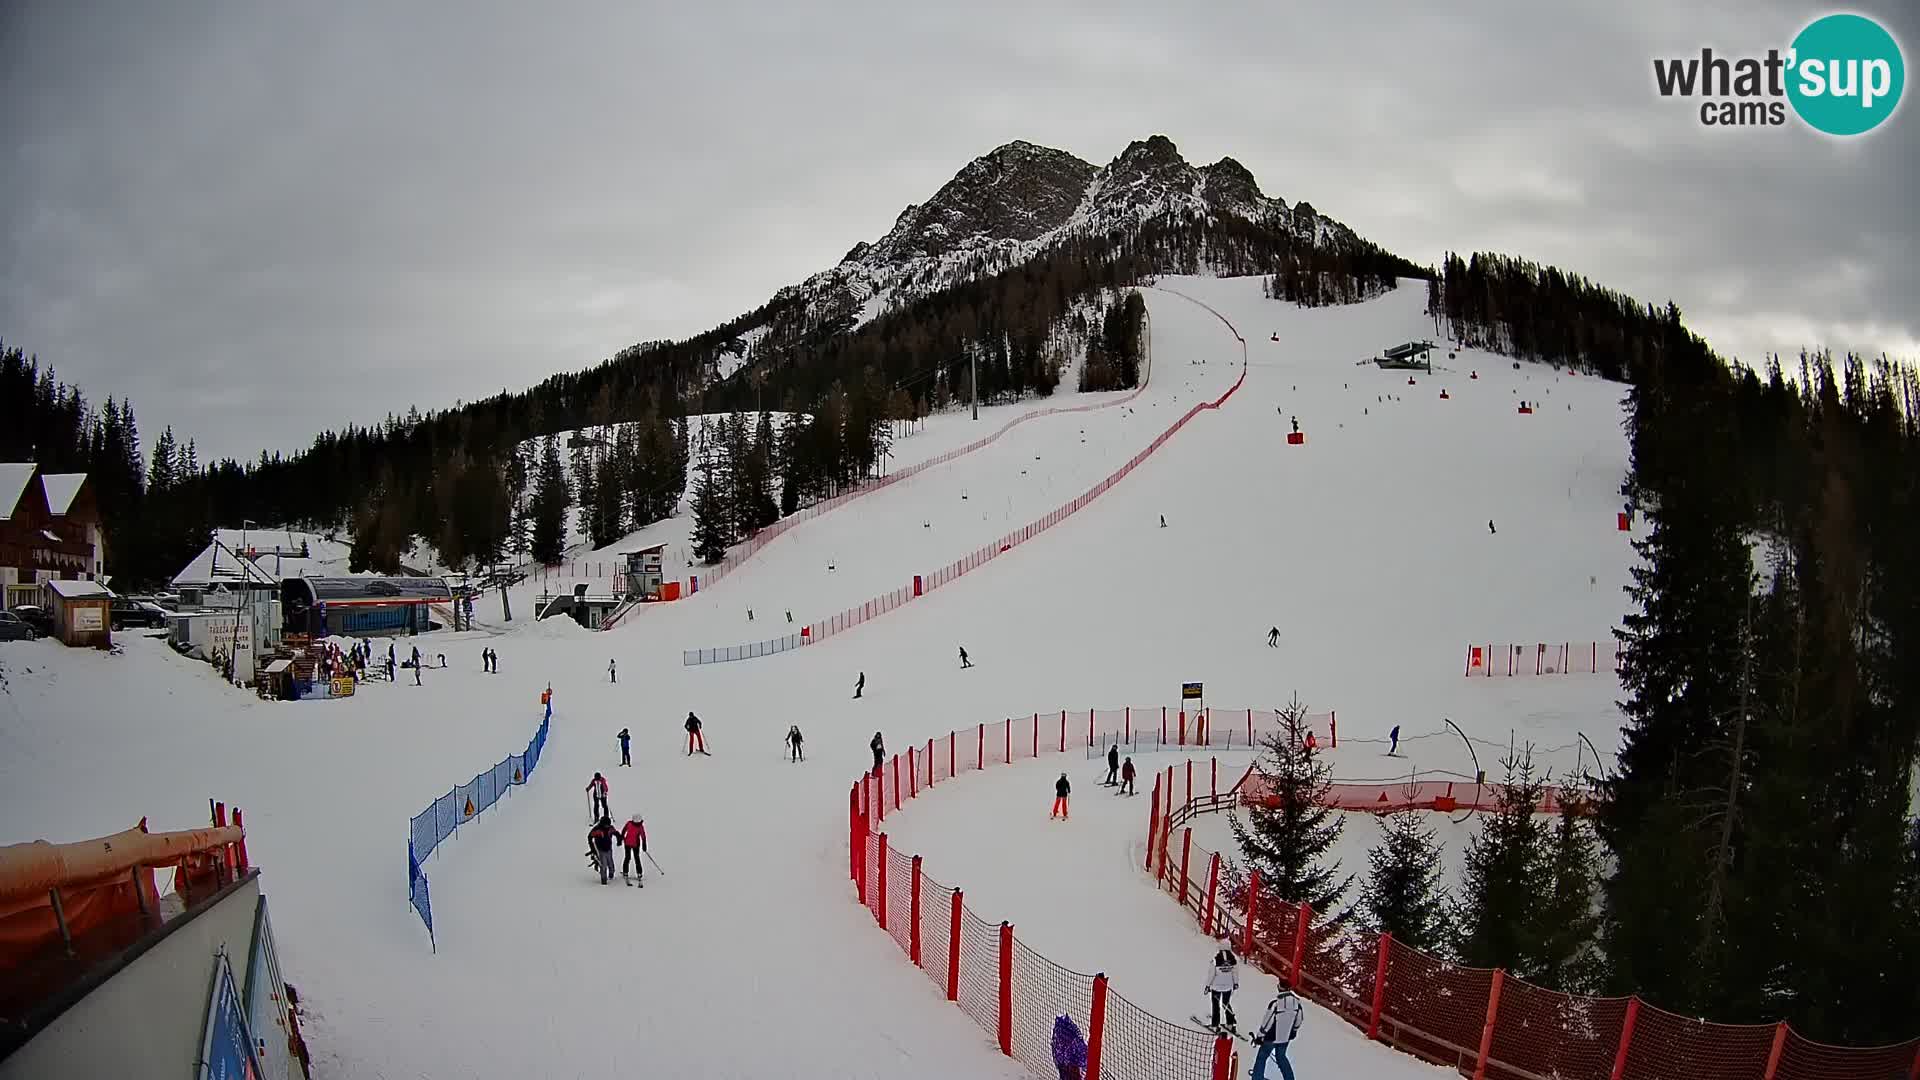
(1846, 74)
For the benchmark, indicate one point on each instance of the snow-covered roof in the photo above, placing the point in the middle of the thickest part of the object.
(78, 590)
(14, 477)
(218, 563)
(60, 489)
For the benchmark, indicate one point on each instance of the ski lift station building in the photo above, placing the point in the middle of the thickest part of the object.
(361, 605)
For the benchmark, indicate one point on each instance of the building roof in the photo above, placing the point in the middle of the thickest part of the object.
(14, 478)
(79, 590)
(337, 589)
(218, 563)
(60, 489)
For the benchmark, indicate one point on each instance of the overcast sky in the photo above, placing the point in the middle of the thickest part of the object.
(260, 219)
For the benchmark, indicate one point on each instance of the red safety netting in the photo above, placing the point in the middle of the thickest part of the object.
(936, 929)
(1548, 1033)
(980, 970)
(900, 900)
(1434, 1008)
(1709, 1051)
(1140, 1046)
(1043, 990)
(1804, 1059)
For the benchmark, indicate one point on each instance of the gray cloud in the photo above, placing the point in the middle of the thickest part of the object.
(261, 220)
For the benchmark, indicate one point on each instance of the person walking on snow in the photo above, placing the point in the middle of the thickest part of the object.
(613, 675)
(1393, 740)
(600, 843)
(1126, 777)
(964, 662)
(1163, 521)
(1223, 978)
(1069, 1048)
(1491, 531)
(633, 837)
(416, 667)
(694, 738)
(794, 752)
(1061, 789)
(1113, 766)
(625, 737)
(1281, 1025)
(597, 793)
(879, 752)
(860, 686)
(1273, 638)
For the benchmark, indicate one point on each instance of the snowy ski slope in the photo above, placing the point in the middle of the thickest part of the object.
(1368, 547)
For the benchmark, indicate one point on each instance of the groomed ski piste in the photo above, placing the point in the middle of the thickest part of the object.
(1368, 547)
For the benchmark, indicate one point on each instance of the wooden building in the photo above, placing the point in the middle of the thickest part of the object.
(50, 531)
(81, 613)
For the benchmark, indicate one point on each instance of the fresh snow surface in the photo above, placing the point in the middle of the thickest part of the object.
(750, 957)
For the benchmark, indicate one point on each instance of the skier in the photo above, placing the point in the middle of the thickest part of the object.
(633, 837)
(694, 737)
(613, 674)
(416, 671)
(860, 686)
(597, 793)
(393, 660)
(1273, 638)
(964, 662)
(794, 752)
(1069, 1048)
(1393, 740)
(1126, 778)
(749, 614)
(879, 752)
(626, 758)
(389, 666)
(600, 846)
(1163, 521)
(1061, 789)
(789, 616)
(1223, 978)
(1113, 766)
(1490, 529)
(1281, 1024)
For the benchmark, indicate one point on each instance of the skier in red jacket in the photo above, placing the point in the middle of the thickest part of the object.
(633, 837)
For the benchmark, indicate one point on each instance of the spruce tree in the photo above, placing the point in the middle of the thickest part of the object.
(551, 498)
(1403, 894)
(1505, 876)
(709, 536)
(1288, 834)
(1569, 920)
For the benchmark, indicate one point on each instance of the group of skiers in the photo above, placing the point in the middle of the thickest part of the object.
(1277, 1028)
(489, 661)
(602, 834)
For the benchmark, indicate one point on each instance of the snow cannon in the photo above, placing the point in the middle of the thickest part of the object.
(1296, 438)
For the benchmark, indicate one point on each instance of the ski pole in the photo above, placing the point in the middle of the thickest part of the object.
(654, 861)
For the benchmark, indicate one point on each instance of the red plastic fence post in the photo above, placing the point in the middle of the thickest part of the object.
(1253, 910)
(853, 841)
(1036, 734)
(1006, 989)
(1379, 986)
(1153, 822)
(913, 775)
(1222, 1058)
(1626, 1040)
(240, 845)
(953, 950)
(927, 756)
(1779, 1044)
(1186, 856)
(1493, 1014)
(881, 912)
(950, 741)
(1213, 893)
(981, 761)
(1213, 785)
(1089, 727)
(1299, 943)
(896, 781)
(1097, 1026)
(220, 815)
(913, 914)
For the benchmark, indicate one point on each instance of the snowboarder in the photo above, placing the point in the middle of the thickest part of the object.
(613, 673)
(1061, 789)
(964, 662)
(1273, 638)
(1126, 778)
(1281, 1024)
(597, 794)
(633, 837)
(1490, 529)
(879, 752)
(794, 751)
(1223, 978)
(1113, 766)
(860, 686)
(600, 845)
(1069, 1048)
(1393, 740)
(694, 738)
(626, 757)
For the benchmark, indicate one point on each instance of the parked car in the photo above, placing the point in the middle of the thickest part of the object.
(127, 611)
(14, 628)
(37, 617)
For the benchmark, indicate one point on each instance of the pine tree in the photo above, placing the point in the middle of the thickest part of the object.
(551, 499)
(1506, 873)
(709, 536)
(1403, 894)
(1569, 920)
(1288, 835)
(585, 479)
